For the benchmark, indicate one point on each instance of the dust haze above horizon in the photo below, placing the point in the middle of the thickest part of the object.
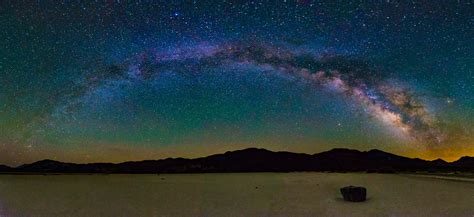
(112, 81)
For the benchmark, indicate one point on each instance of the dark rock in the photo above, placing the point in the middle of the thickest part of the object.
(354, 194)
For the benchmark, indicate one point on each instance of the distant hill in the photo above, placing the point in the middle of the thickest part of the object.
(259, 160)
(464, 162)
(4, 168)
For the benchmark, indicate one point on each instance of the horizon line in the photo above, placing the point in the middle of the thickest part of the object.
(98, 162)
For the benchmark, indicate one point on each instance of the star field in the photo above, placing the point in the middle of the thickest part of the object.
(114, 81)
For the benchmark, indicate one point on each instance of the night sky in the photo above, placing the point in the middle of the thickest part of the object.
(111, 81)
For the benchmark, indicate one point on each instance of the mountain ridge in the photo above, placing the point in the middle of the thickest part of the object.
(258, 160)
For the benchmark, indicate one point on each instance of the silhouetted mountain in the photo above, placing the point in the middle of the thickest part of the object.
(4, 168)
(261, 160)
(440, 162)
(465, 163)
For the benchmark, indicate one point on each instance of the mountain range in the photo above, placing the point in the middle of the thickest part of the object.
(258, 160)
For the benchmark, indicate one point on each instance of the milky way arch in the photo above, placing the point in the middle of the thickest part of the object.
(398, 108)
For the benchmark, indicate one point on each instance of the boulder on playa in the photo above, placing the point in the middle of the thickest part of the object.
(354, 193)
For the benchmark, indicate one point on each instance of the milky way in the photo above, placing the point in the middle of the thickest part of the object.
(113, 81)
(396, 107)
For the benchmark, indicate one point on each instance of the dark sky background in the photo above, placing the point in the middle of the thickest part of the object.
(88, 81)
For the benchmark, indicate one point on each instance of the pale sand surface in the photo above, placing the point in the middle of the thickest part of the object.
(246, 194)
